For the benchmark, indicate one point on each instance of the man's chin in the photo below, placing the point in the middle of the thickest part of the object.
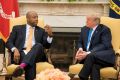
(34, 25)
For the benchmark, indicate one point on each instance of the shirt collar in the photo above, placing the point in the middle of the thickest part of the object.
(95, 27)
(28, 26)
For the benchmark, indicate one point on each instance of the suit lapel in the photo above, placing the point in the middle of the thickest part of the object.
(86, 32)
(36, 34)
(95, 33)
(23, 34)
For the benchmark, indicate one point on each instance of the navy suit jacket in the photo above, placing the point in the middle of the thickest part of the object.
(18, 35)
(100, 43)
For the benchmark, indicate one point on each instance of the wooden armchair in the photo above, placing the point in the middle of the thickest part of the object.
(40, 65)
(108, 72)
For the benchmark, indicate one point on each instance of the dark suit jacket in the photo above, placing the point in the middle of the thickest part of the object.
(100, 43)
(18, 35)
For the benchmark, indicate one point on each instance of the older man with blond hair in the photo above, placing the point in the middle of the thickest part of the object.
(95, 50)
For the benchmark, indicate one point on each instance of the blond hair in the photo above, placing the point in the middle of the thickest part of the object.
(95, 18)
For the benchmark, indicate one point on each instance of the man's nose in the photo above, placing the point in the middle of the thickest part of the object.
(36, 19)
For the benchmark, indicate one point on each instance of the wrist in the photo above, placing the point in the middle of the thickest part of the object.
(13, 49)
(88, 52)
(80, 49)
(50, 35)
(16, 50)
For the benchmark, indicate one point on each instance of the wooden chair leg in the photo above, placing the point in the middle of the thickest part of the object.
(71, 76)
(8, 77)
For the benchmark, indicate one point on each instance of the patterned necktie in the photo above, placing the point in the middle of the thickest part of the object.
(89, 39)
(29, 40)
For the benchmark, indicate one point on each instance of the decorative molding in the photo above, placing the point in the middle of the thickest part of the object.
(56, 2)
(65, 1)
(53, 13)
(73, 9)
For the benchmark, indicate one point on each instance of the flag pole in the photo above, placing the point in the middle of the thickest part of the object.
(4, 69)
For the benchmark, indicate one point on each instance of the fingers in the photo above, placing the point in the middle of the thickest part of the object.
(48, 29)
(16, 56)
(77, 56)
(80, 49)
(81, 55)
(16, 59)
(77, 53)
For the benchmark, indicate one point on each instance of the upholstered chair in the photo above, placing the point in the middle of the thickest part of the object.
(40, 65)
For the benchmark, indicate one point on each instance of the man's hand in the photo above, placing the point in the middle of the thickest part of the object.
(80, 50)
(80, 55)
(48, 29)
(16, 56)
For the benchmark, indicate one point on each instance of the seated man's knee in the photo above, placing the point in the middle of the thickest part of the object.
(38, 45)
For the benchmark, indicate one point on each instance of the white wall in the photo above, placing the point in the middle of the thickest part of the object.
(65, 21)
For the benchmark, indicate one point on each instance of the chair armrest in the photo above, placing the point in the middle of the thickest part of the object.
(118, 52)
(117, 62)
(9, 57)
(48, 55)
(74, 61)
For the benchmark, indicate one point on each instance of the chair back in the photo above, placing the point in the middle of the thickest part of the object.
(22, 20)
(114, 25)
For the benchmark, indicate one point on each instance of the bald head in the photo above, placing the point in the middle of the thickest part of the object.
(32, 18)
(30, 13)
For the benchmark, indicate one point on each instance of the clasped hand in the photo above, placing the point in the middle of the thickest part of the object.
(80, 55)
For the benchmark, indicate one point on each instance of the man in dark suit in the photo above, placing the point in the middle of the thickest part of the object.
(95, 48)
(27, 43)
